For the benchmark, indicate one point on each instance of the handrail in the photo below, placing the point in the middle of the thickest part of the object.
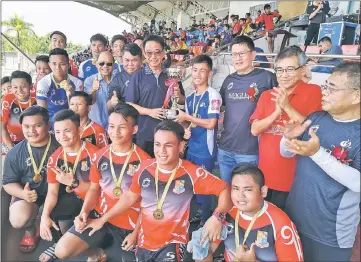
(16, 48)
(356, 57)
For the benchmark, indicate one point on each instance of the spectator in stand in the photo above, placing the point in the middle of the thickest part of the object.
(236, 26)
(217, 42)
(327, 48)
(42, 69)
(242, 22)
(324, 201)
(58, 40)
(294, 100)
(98, 44)
(248, 23)
(132, 60)
(210, 35)
(118, 43)
(173, 26)
(180, 46)
(5, 86)
(240, 92)
(258, 20)
(182, 34)
(267, 19)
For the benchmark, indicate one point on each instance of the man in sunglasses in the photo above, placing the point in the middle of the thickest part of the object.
(292, 99)
(97, 86)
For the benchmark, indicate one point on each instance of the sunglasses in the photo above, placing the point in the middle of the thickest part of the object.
(107, 64)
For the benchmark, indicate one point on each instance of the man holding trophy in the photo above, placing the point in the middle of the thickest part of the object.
(153, 91)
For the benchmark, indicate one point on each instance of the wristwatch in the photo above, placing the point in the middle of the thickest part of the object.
(75, 183)
(220, 216)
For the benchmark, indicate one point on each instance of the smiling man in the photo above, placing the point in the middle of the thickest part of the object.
(258, 230)
(118, 43)
(13, 104)
(294, 100)
(53, 90)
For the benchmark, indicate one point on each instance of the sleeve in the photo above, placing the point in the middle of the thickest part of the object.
(113, 87)
(79, 85)
(42, 89)
(95, 174)
(276, 14)
(207, 184)
(288, 244)
(102, 140)
(260, 112)
(6, 109)
(309, 10)
(222, 93)
(326, 7)
(186, 106)
(81, 71)
(88, 84)
(11, 173)
(261, 18)
(52, 163)
(215, 102)
(135, 186)
(132, 93)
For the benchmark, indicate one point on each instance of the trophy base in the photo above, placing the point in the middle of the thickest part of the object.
(171, 114)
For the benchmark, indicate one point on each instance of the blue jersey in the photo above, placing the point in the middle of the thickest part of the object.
(87, 68)
(55, 96)
(322, 208)
(202, 142)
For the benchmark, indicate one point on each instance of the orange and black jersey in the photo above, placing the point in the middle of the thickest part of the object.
(11, 111)
(101, 174)
(95, 134)
(273, 232)
(82, 171)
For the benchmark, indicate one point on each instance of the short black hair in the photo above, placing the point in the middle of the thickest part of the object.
(59, 51)
(155, 38)
(217, 36)
(99, 37)
(133, 49)
(203, 59)
(42, 58)
(67, 114)
(171, 126)
(126, 111)
(250, 170)
(244, 40)
(21, 74)
(267, 6)
(118, 37)
(87, 97)
(35, 111)
(259, 11)
(249, 14)
(58, 33)
(5, 79)
(325, 39)
(352, 71)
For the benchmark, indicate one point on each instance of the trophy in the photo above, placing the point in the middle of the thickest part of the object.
(175, 74)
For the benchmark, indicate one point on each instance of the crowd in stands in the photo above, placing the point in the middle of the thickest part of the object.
(102, 145)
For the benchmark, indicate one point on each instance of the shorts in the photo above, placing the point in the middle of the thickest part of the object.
(108, 235)
(174, 252)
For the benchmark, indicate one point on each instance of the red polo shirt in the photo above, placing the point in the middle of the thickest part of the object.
(278, 170)
(267, 19)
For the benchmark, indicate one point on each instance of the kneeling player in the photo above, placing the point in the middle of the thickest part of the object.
(111, 175)
(167, 185)
(24, 176)
(68, 176)
(263, 232)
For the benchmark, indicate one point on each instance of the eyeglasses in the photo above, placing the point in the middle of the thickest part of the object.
(156, 53)
(288, 70)
(105, 64)
(240, 54)
(331, 90)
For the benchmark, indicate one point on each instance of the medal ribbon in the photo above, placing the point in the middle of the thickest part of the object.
(19, 104)
(56, 84)
(161, 201)
(37, 170)
(85, 127)
(76, 160)
(119, 180)
(236, 233)
(195, 110)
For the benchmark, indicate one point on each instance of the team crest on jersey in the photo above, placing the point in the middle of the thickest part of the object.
(179, 187)
(131, 169)
(28, 161)
(84, 166)
(87, 68)
(202, 104)
(5, 105)
(146, 183)
(314, 128)
(261, 241)
(230, 85)
(104, 166)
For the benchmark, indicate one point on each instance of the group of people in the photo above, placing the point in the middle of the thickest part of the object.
(97, 152)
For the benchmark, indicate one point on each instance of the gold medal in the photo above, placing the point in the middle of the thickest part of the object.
(63, 84)
(117, 192)
(158, 214)
(37, 178)
(94, 62)
(68, 189)
(73, 170)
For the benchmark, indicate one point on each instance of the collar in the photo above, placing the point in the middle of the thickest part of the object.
(148, 71)
(170, 171)
(264, 208)
(298, 88)
(99, 77)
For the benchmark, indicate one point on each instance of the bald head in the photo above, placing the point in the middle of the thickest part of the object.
(105, 63)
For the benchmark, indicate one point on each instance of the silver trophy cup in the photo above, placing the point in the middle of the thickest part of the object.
(176, 74)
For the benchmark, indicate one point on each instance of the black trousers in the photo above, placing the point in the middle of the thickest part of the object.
(312, 33)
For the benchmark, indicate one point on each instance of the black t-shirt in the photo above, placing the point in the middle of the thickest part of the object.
(18, 167)
(320, 17)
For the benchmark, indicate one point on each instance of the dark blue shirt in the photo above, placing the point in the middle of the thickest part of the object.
(118, 84)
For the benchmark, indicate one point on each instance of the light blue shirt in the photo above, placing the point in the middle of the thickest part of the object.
(99, 111)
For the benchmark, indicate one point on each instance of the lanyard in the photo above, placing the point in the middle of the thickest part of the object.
(75, 163)
(85, 127)
(37, 170)
(195, 108)
(161, 201)
(19, 104)
(119, 180)
(247, 230)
